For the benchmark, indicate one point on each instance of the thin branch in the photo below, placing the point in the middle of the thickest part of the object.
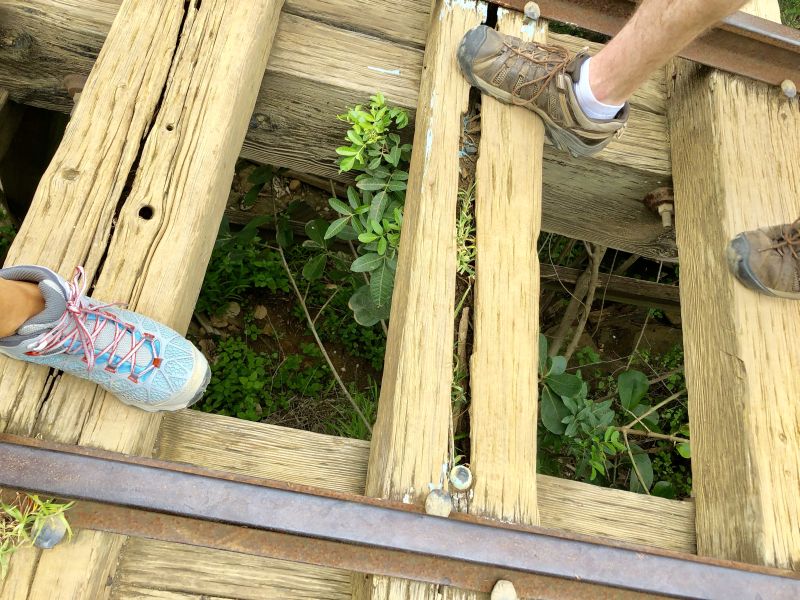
(654, 409)
(595, 257)
(324, 306)
(633, 463)
(206, 324)
(651, 434)
(319, 341)
(646, 319)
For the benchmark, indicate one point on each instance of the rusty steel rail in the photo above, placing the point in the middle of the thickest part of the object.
(181, 503)
(741, 43)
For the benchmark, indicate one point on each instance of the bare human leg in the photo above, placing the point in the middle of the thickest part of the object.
(656, 32)
(19, 301)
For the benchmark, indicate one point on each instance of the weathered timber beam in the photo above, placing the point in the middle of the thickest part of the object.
(616, 288)
(324, 62)
(160, 124)
(742, 361)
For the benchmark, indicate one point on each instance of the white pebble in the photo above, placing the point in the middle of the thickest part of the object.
(503, 590)
(789, 88)
(532, 11)
(439, 503)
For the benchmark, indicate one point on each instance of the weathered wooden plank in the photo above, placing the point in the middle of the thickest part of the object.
(409, 448)
(184, 569)
(164, 109)
(616, 288)
(503, 376)
(736, 145)
(322, 67)
(341, 464)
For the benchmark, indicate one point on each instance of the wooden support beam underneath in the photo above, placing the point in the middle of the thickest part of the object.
(160, 124)
(736, 151)
(157, 570)
(331, 54)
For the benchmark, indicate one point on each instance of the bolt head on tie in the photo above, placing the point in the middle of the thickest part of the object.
(662, 202)
(789, 88)
(532, 11)
(503, 590)
(439, 503)
(460, 478)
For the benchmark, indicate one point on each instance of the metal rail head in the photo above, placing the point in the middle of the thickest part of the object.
(743, 44)
(189, 504)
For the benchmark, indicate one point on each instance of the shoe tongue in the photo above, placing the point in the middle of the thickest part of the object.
(54, 306)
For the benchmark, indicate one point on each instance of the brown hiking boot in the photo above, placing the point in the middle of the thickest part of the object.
(541, 78)
(768, 260)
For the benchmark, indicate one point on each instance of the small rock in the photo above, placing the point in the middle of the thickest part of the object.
(52, 532)
(260, 312)
(294, 185)
(439, 503)
(207, 347)
(532, 11)
(218, 322)
(233, 310)
(503, 590)
(789, 88)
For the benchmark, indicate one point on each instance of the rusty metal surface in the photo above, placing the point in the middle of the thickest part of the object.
(201, 507)
(742, 43)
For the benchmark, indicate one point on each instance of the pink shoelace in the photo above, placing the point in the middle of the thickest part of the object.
(72, 333)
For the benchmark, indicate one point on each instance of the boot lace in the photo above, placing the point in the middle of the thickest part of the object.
(554, 59)
(790, 239)
(81, 325)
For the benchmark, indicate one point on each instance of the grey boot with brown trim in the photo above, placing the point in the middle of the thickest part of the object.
(540, 78)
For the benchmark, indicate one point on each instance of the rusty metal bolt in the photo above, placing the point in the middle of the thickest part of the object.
(503, 590)
(662, 201)
(439, 503)
(789, 88)
(532, 11)
(461, 478)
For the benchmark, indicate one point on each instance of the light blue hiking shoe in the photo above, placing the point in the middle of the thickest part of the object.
(142, 362)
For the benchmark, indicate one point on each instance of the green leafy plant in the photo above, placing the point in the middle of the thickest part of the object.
(240, 262)
(23, 520)
(594, 434)
(373, 212)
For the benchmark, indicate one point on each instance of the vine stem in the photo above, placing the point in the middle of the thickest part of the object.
(633, 462)
(655, 408)
(651, 434)
(319, 341)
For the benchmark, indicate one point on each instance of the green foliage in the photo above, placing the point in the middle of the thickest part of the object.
(588, 432)
(22, 521)
(251, 385)
(240, 263)
(373, 212)
(790, 12)
(7, 232)
(349, 424)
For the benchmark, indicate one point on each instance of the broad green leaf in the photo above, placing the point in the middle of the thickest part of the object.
(558, 364)
(684, 449)
(642, 460)
(346, 151)
(364, 310)
(366, 263)
(315, 267)
(381, 284)
(340, 206)
(664, 489)
(394, 156)
(374, 163)
(542, 354)
(353, 197)
(315, 230)
(367, 238)
(354, 137)
(336, 227)
(650, 420)
(251, 196)
(347, 163)
(564, 384)
(284, 234)
(632, 387)
(552, 411)
(261, 175)
(379, 203)
(382, 246)
(371, 184)
(396, 186)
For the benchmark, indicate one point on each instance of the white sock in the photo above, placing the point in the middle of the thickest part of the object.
(593, 108)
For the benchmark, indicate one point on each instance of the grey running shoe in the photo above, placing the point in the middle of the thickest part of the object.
(542, 79)
(140, 361)
(768, 260)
